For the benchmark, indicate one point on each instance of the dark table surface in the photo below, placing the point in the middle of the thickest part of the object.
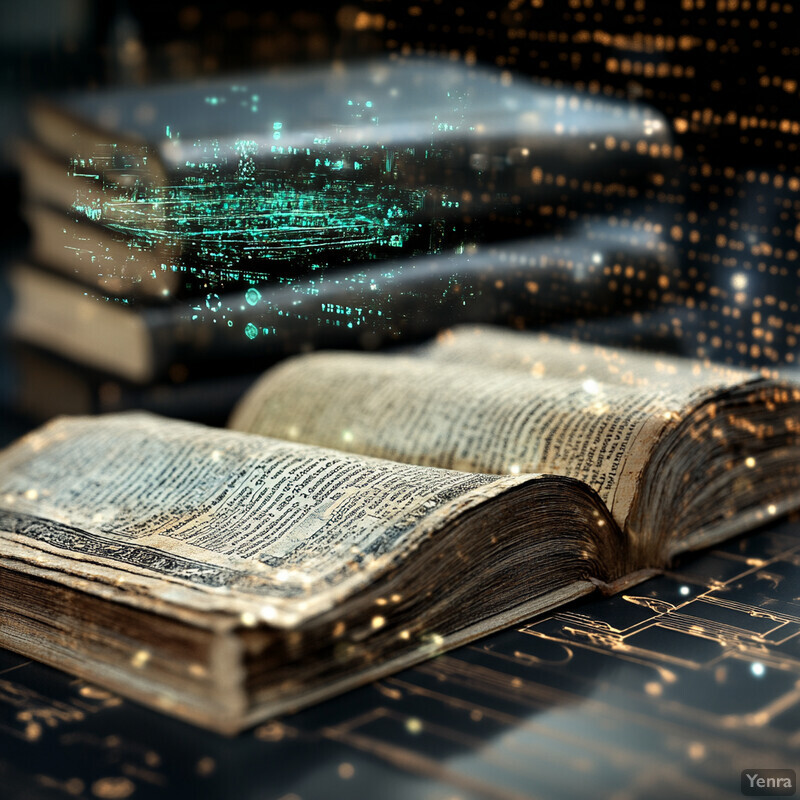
(670, 689)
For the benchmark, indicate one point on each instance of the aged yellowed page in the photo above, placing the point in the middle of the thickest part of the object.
(152, 511)
(490, 402)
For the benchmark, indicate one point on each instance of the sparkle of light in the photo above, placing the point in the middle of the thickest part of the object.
(758, 669)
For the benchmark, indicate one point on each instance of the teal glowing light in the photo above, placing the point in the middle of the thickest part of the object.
(239, 214)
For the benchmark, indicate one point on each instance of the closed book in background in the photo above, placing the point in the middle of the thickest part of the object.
(270, 175)
(46, 385)
(597, 269)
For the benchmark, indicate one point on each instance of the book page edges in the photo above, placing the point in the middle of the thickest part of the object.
(221, 710)
(513, 616)
(57, 315)
(64, 133)
(228, 711)
(176, 598)
(101, 256)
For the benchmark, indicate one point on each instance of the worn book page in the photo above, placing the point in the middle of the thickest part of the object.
(495, 403)
(138, 507)
(540, 355)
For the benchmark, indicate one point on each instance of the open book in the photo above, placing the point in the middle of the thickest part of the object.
(226, 577)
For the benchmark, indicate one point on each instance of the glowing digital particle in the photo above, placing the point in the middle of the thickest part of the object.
(213, 302)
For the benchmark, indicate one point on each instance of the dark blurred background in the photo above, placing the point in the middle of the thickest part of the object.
(724, 72)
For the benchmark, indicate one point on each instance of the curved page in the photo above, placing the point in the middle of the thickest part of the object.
(166, 514)
(489, 402)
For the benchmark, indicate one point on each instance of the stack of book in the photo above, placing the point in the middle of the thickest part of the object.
(185, 236)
